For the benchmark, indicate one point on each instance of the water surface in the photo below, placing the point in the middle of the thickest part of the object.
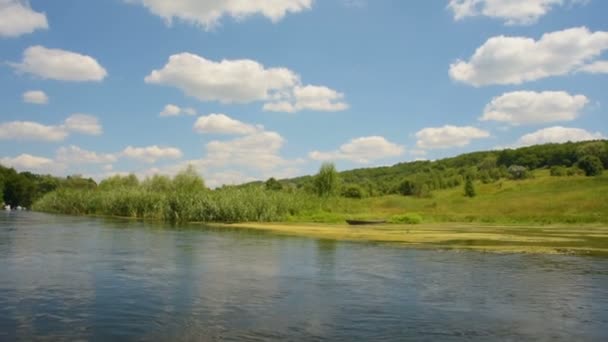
(66, 278)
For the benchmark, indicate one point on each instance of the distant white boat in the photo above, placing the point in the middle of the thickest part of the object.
(19, 207)
(7, 207)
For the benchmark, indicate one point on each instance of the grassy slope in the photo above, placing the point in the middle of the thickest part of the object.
(542, 199)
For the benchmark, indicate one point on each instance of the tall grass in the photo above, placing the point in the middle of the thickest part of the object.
(225, 205)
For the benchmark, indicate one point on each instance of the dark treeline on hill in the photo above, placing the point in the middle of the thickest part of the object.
(186, 198)
(421, 177)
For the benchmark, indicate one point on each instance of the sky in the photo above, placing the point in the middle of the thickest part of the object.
(245, 90)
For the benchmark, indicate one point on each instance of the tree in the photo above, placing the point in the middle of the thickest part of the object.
(592, 165)
(188, 180)
(469, 189)
(326, 182)
(273, 184)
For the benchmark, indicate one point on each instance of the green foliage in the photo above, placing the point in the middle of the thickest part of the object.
(353, 191)
(591, 165)
(273, 184)
(409, 218)
(559, 171)
(469, 189)
(157, 183)
(327, 181)
(188, 180)
(518, 172)
(119, 182)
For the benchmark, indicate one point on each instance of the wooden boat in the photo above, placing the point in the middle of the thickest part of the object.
(363, 222)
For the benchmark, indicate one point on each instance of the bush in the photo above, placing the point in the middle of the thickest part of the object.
(518, 172)
(469, 189)
(559, 171)
(353, 191)
(592, 165)
(409, 218)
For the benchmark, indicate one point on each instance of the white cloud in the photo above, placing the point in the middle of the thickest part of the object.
(448, 136)
(207, 14)
(36, 97)
(244, 81)
(513, 12)
(558, 134)
(27, 130)
(60, 65)
(151, 154)
(529, 107)
(83, 123)
(76, 155)
(259, 151)
(17, 18)
(514, 60)
(223, 124)
(316, 98)
(228, 177)
(599, 67)
(228, 81)
(174, 110)
(361, 150)
(28, 162)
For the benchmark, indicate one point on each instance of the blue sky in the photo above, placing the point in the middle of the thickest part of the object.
(254, 89)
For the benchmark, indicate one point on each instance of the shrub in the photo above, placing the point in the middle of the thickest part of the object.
(409, 218)
(518, 172)
(592, 165)
(353, 191)
(469, 189)
(559, 171)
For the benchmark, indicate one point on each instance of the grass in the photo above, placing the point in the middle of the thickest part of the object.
(539, 200)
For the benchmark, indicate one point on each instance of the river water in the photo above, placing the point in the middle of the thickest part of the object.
(67, 278)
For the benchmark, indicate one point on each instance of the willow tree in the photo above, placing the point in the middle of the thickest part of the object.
(327, 181)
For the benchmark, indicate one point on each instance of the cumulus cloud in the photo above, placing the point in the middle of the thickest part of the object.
(83, 123)
(223, 124)
(361, 150)
(529, 107)
(151, 154)
(244, 81)
(59, 65)
(258, 150)
(513, 12)
(76, 155)
(174, 110)
(228, 81)
(558, 134)
(208, 14)
(514, 60)
(35, 97)
(599, 67)
(448, 136)
(28, 130)
(28, 162)
(18, 18)
(316, 98)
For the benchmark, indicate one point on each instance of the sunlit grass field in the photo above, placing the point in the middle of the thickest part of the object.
(543, 199)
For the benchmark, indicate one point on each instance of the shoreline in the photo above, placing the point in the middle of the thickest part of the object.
(529, 239)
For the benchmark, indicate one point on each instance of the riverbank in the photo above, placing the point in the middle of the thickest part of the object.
(551, 239)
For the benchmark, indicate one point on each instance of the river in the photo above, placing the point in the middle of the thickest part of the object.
(74, 278)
